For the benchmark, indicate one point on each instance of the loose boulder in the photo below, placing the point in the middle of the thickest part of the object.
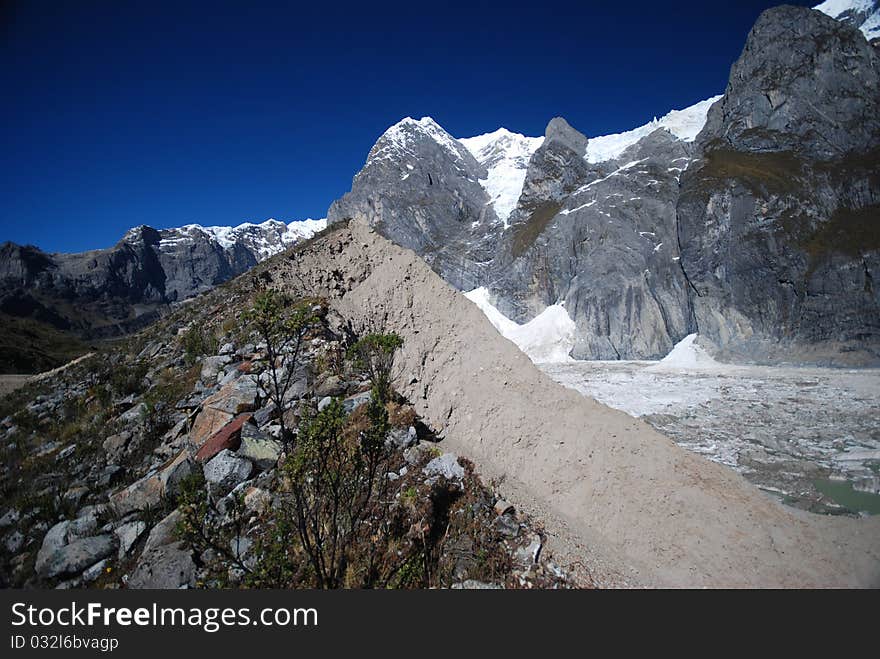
(78, 555)
(226, 470)
(228, 437)
(166, 567)
(258, 447)
(447, 466)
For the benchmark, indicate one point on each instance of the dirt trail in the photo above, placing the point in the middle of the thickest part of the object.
(9, 383)
(615, 494)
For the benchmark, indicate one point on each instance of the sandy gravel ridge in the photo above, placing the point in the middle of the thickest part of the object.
(618, 498)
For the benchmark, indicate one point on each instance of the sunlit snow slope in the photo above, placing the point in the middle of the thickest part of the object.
(548, 337)
(506, 157)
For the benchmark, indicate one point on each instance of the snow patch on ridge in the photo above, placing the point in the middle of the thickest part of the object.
(684, 124)
(547, 338)
(264, 239)
(505, 155)
(400, 137)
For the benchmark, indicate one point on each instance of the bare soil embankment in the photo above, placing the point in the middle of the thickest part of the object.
(617, 496)
(9, 383)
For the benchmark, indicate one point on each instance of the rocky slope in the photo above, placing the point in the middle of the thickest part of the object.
(158, 464)
(752, 223)
(112, 291)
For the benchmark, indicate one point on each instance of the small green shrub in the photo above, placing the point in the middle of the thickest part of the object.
(375, 353)
(283, 325)
(127, 379)
(198, 341)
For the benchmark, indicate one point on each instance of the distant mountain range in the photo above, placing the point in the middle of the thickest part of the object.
(110, 292)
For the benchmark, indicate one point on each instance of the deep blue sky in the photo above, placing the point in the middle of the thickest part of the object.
(121, 113)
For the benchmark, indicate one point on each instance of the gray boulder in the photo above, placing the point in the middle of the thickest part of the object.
(165, 532)
(351, 403)
(54, 540)
(447, 466)
(166, 567)
(402, 438)
(226, 470)
(76, 556)
(127, 535)
(211, 367)
(92, 573)
(13, 542)
(332, 386)
(258, 447)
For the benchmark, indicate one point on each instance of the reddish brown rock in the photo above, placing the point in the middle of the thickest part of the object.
(228, 437)
(208, 422)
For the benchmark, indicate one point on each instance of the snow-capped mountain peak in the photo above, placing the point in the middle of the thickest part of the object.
(863, 14)
(684, 124)
(499, 144)
(406, 133)
(505, 155)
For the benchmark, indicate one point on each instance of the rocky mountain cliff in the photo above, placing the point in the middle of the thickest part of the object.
(778, 219)
(750, 218)
(421, 188)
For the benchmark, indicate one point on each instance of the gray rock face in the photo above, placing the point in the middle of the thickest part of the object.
(560, 132)
(419, 188)
(602, 240)
(804, 82)
(778, 220)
